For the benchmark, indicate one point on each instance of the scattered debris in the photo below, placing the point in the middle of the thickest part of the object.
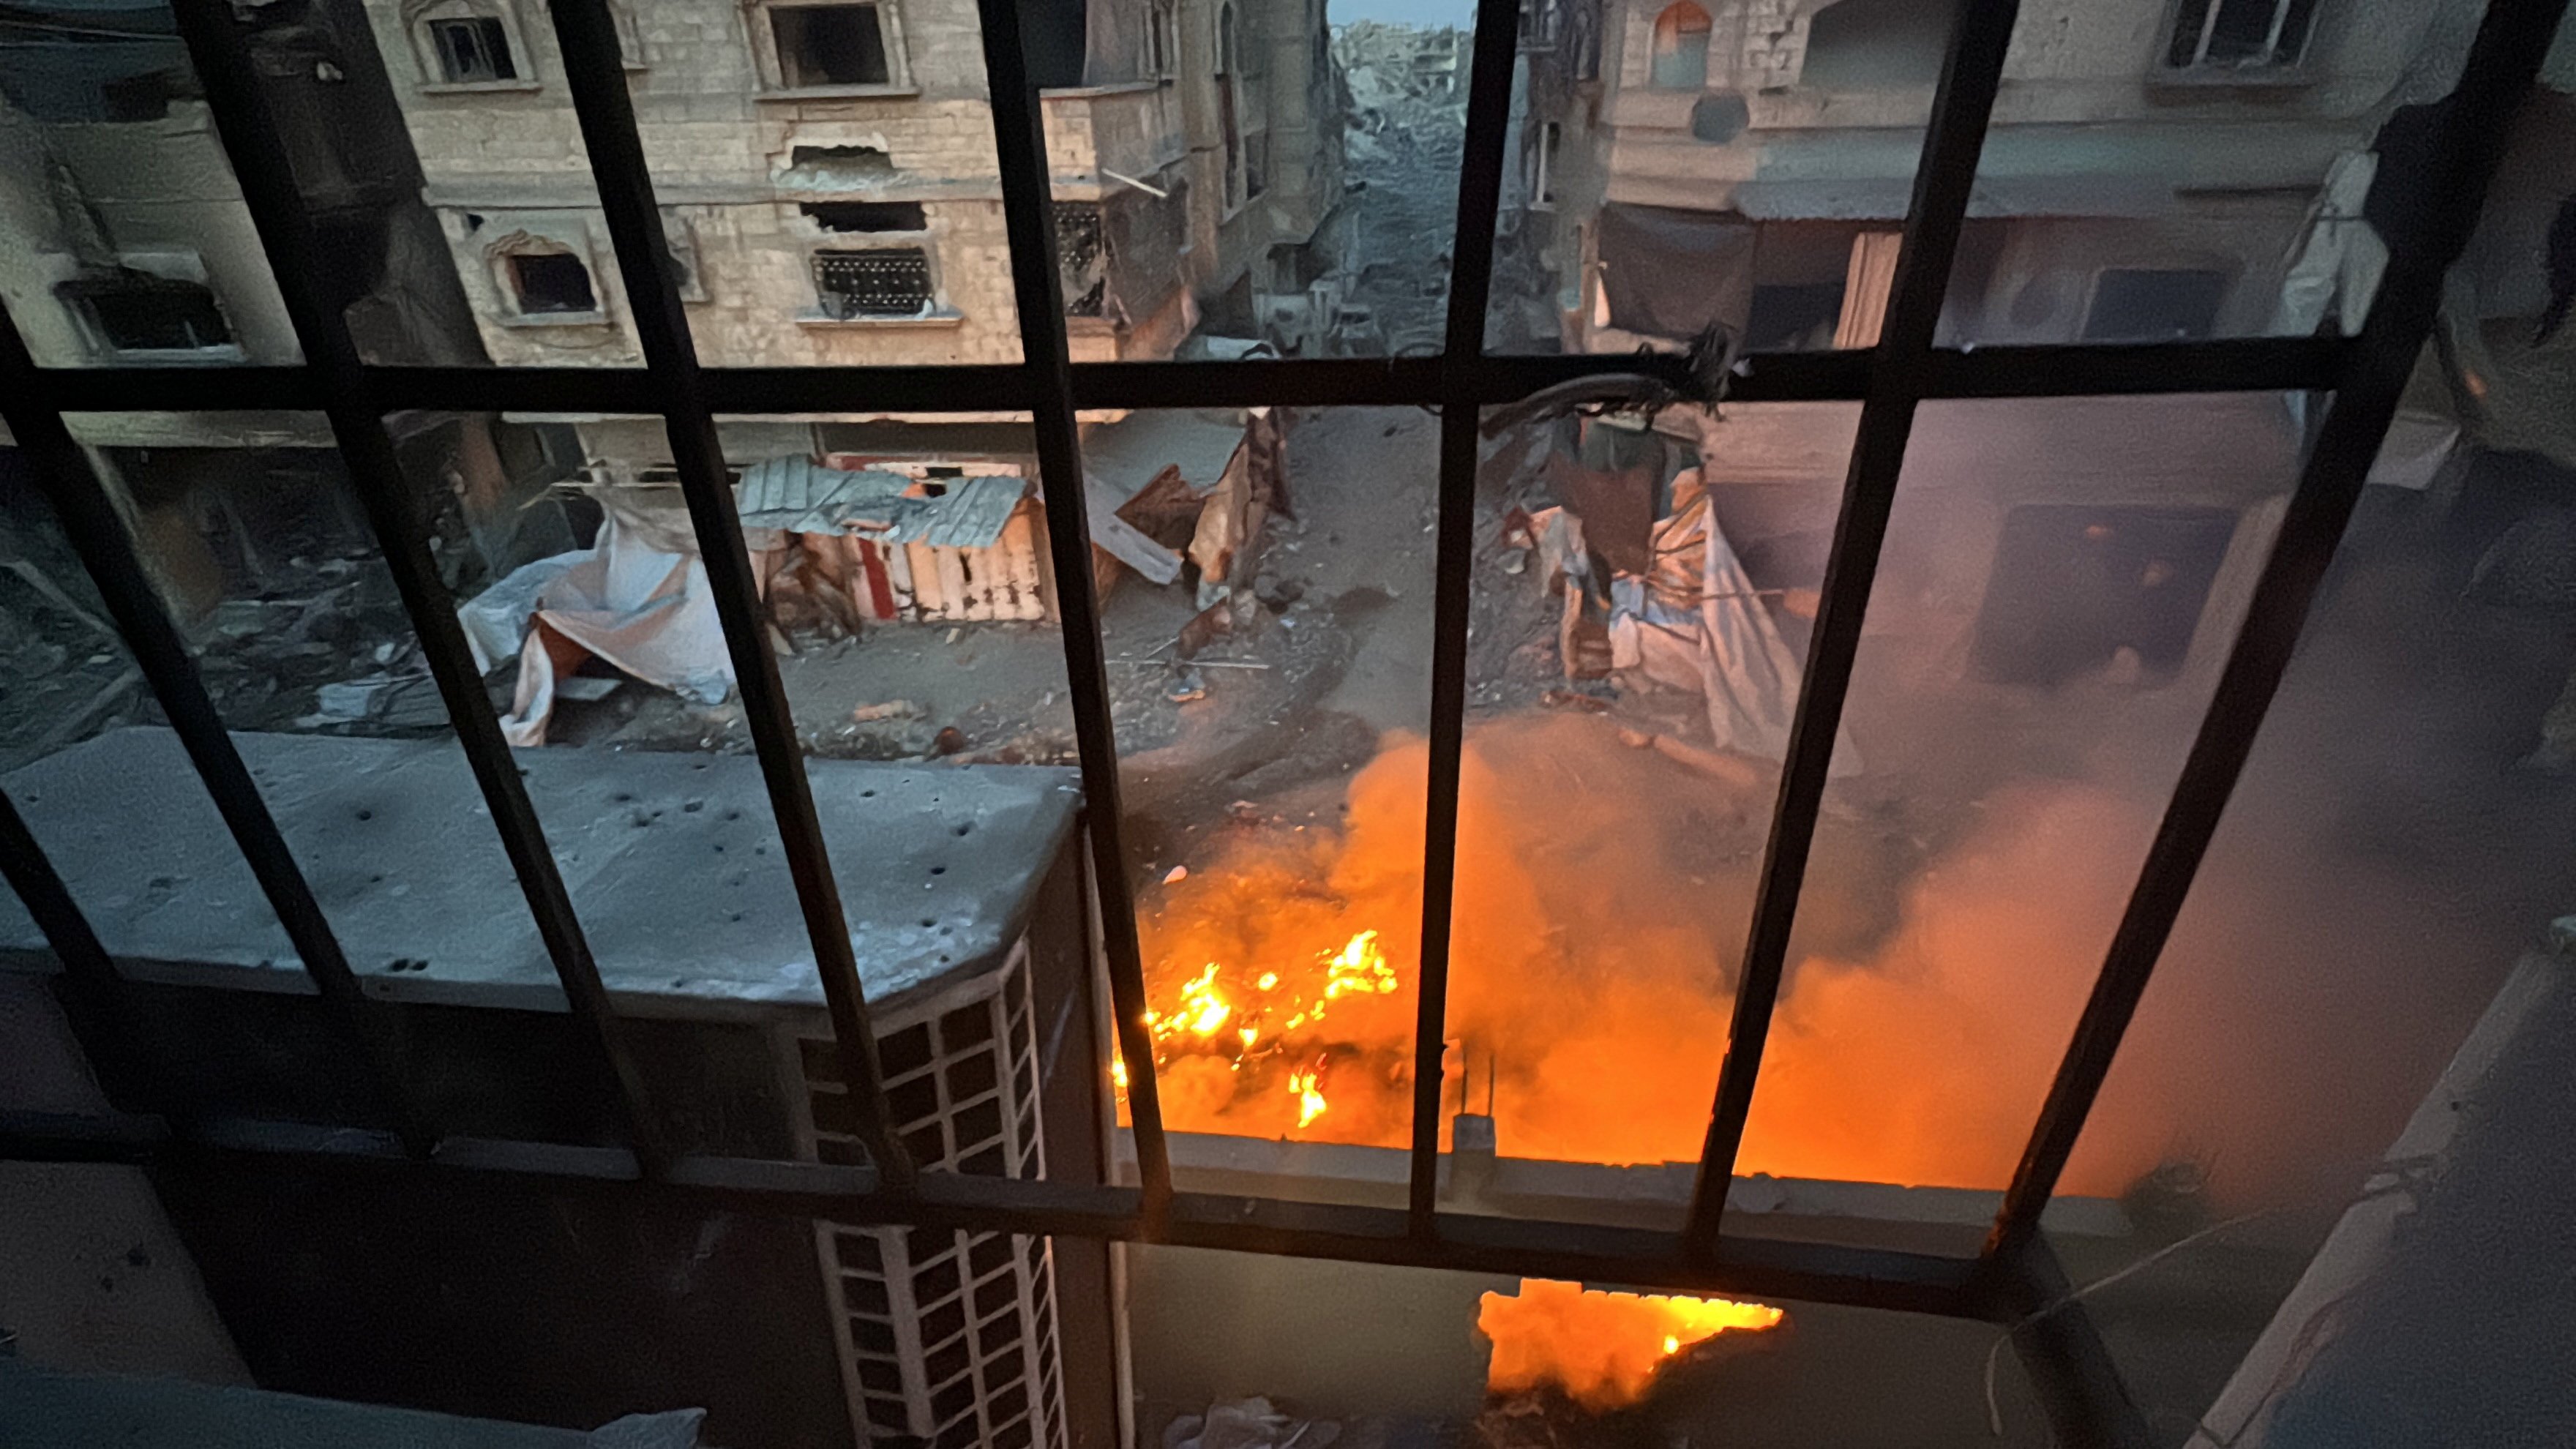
(1176, 875)
(890, 709)
(1572, 699)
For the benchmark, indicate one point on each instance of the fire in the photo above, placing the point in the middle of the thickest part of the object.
(1603, 1349)
(1252, 1022)
(1310, 1096)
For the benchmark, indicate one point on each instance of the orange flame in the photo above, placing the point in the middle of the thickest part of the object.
(1602, 1349)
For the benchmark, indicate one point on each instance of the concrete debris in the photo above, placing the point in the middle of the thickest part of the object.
(890, 709)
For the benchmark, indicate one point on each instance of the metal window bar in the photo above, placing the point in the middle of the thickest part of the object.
(1037, 287)
(2445, 202)
(2248, 364)
(259, 160)
(595, 72)
(1952, 142)
(91, 526)
(1480, 189)
(93, 995)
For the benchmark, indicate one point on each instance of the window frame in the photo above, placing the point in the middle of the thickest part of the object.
(2200, 71)
(421, 21)
(2014, 1279)
(760, 18)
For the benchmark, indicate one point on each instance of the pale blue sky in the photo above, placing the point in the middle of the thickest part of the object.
(1404, 12)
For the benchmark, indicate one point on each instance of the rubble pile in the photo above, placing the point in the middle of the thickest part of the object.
(1407, 130)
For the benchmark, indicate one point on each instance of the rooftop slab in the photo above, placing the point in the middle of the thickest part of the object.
(672, 861)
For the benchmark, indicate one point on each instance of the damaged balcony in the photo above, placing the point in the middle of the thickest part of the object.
(1115, 155)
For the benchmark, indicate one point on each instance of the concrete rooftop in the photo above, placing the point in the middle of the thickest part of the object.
(671, 860)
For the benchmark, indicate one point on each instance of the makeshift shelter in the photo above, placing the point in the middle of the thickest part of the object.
(841, 546)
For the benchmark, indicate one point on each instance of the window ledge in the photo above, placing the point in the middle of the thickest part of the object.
(935, 319)
(842, 93)
(229, 352)
(2228, 78)
(554, 319)
(479, 88)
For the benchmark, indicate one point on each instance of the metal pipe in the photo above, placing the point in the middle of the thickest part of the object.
(597, 77)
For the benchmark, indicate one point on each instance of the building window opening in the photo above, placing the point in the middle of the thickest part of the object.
(867, 215)
(2154, 305)
(1861, 44)
(2076, 587)
(1681, 48)
(2240, 34)
(552, 283)
(830, 45)
(1542, 161)
(473, 50)
(137, 312)
(885, 282)
(1228, 114)
(1158, 41)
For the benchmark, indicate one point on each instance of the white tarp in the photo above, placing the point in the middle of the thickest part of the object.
(1696, 623)
(637, 599)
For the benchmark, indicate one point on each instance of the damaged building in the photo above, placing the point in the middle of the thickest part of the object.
(124, 243)
(829, 197)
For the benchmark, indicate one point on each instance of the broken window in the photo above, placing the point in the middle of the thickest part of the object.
(682, 244)
(137, 312)
(2074, 586)
(1158, 40)
(830, 45)
(2154, 305)
(1082, 256)
(551, 283)
(2239, 35)
(1858, 44)
(1228, 110)
(1681, 48)
(471, 50)
(1542, 164)
(882, 282)
(867, 215)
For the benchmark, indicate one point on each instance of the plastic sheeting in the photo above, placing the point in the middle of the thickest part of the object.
(1695, 622)
(635, 599)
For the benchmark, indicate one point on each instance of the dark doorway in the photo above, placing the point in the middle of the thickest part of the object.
(2073, 585)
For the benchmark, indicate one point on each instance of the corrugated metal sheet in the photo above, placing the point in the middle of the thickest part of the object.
(799, 495)
(1122, 457)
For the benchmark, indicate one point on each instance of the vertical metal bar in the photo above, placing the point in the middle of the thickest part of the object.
(1471, 278)
(93, 995)
(91, 525)
(597, 76)
(260, 161)
(2069, 1366)
(2441, 214)
(1028, 218)
(1899, 367)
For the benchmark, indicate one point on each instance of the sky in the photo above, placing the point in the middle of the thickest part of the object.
(1404, 12)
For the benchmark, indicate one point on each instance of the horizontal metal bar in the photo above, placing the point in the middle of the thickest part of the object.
(2440, 208)
(2248, 364)
(1773, 1269)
